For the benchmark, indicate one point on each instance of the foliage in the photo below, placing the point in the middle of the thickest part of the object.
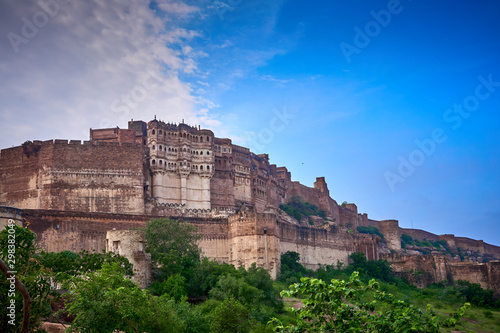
(66, 264)
(298, 208)
(254, 289)
(173, 287)
(342, 307)
(230, 316)
(370, 230)
(291, 269)
(173, 247)
(476, 295)
(379, 269)
(205, 275)
(105, 301)
(29, 272)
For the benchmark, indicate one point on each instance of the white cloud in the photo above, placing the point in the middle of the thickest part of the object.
(95, 63)
(176, 7)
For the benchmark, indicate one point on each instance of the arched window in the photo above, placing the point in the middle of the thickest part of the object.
(153, 132)
(161, 162)
(208, 152)
(208, 138)
(161, 148)
(160, 132)
(153, 147)
(201, 153)
(165, 149)
(208, 167)
(201, 167)
(154, 162)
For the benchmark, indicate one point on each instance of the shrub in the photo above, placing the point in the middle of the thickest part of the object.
(370, 230)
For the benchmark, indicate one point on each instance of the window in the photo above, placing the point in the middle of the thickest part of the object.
(153, 147)
(208, 153)
(116, 246)
(201, 167)
(208, 167)
(153, 132)
(154, 162)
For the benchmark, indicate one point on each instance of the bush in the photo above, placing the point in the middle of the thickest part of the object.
(370, 230)
(230, 316)
(298, 208)
(349, 306)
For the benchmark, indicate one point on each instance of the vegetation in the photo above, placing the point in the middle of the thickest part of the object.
(370, 230)
(444, 298)
(222, 287)
(106, 301)
(30, 273)
(103, 299)
(298, 208)
(66, 264)
(346, 307)
(173, 247)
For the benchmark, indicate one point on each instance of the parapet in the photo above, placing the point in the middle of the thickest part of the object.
(321, 185)
(392, 233)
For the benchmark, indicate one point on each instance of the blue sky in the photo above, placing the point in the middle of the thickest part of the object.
(369, 94)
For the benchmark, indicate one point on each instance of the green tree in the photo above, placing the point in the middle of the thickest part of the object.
(230, 316)
(105, 301)
(206, 274)
(173, 287)
(18, 248)
(341, 306)
(66, 264)
(173, 247)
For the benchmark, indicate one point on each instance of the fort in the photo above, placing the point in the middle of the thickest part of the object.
(71, 193)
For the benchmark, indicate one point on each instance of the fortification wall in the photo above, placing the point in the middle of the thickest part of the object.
(392, 233)
(10, 213)
(132, 245)
(470, 244)
(325, 246)
(314, 196)
(76, 231)
(254, 238)
(423, 270)
(221, 189)
(420, 234)
(214, 242)
(348, 215)
(472, 272)
(71, 176)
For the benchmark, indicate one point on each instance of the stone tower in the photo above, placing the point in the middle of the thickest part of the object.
(181, 163)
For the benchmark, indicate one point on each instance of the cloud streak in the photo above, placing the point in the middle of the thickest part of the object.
(92, 53)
